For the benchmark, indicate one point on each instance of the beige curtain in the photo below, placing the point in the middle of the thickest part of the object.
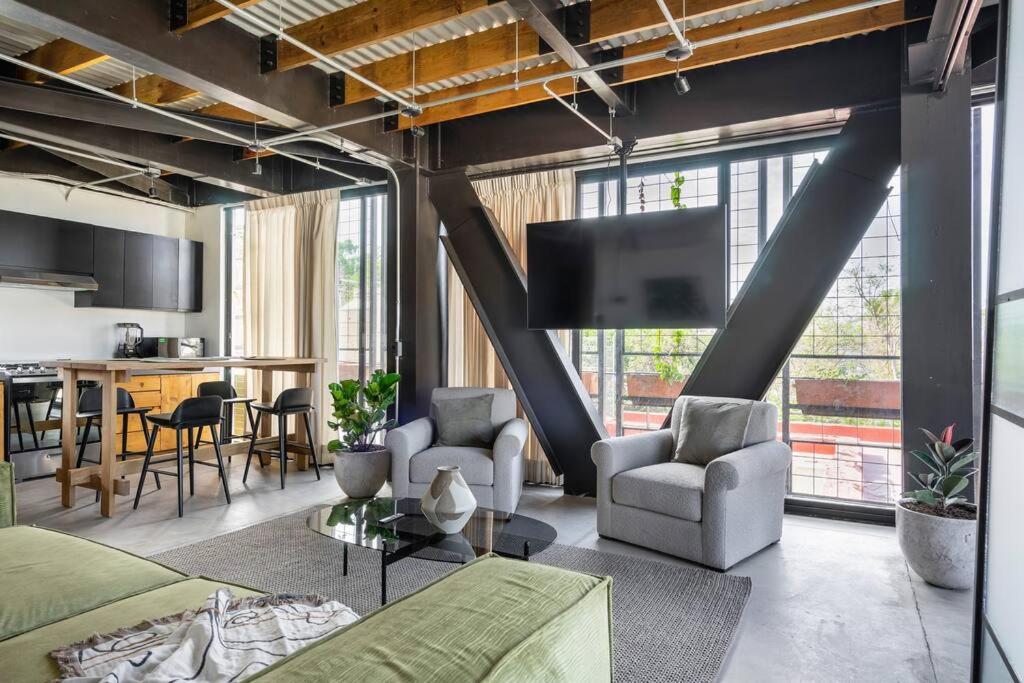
(289, 287)
(515, 201)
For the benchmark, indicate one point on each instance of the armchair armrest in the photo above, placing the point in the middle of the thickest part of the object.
(403, 443)
(747, 465)
(630, 452)
(510, 442)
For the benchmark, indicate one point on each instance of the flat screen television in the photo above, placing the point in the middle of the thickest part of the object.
(662, 269)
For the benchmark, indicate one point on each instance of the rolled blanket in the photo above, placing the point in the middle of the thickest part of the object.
(228, 639)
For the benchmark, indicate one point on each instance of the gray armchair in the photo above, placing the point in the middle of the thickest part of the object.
(714, 515)
(494, 475)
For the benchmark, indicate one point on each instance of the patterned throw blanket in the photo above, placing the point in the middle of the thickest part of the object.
(228, 639)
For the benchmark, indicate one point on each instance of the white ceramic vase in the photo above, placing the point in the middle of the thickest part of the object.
(942, 551)
(448, 503)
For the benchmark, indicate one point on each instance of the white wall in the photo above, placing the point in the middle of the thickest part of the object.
(40, 324)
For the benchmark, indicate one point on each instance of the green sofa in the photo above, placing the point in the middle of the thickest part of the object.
(491, 620)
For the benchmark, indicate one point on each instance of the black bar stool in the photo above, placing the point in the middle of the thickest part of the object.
(201, 411)
(230, 399)
(24, 395)
(289, 402)
(90, 407)
(56, 390)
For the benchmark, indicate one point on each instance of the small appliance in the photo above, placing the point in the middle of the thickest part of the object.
(129, 340)
(173, 347)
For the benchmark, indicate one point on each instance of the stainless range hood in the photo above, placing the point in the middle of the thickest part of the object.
(37, 279)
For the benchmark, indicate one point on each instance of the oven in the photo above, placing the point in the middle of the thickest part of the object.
(31, 396)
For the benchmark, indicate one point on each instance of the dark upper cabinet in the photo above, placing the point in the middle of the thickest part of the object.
(47, 244)
(108, 270)
(165, 273)
(138, 270)
(190, 275)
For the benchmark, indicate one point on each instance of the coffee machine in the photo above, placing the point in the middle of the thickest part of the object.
(129, 339)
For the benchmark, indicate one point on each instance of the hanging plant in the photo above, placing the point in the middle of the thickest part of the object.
(677, 191)
(643, 198)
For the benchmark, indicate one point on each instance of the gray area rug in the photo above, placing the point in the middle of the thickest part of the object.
(671, 623)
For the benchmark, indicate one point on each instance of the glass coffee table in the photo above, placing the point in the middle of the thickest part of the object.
(397, 529)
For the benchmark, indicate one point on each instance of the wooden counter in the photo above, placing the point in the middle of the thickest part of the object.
(136, 376)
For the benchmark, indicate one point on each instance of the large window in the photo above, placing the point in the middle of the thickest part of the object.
(360, 278)
(839, 394)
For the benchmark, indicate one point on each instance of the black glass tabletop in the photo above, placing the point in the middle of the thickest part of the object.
(398, 526)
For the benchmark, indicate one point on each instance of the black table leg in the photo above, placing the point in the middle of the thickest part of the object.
(526, 550)
(384, 575)
(344, 560)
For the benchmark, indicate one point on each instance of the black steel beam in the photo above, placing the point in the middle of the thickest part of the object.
(839, 74)
(220, 60)
(547, 18)
(33, 160)
(93, 108)
(211, 162)
(819, 230)
(162, 189)
(935, 265)
(548, 387)
(421, 307)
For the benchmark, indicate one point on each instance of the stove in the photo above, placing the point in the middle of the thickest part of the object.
(27, 371)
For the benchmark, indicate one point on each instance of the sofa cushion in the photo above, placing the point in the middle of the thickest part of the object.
(465, 421)
(671, 488)
(56, 576)
(476, 464)
(493, 620)
(26, 656)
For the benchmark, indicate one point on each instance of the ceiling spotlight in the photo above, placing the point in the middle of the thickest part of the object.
(418, 131)
(681, 85)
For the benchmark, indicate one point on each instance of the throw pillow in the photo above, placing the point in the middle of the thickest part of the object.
(711, 429)
(465, 421)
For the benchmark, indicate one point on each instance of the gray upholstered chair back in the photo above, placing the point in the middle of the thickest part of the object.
(503, 408)
(760, 427)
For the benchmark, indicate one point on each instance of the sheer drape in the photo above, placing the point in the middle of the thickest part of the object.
(289, 286)
(515, 201)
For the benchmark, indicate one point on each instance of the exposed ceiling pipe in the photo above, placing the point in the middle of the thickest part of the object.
(333, 63)
(613, 64)
(608, 137)
(101, 181)
(680, 38)
(171, 115)
(57, 180)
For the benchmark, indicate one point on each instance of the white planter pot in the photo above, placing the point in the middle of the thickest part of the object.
(362, 474)
(940, 550)
(448, 503)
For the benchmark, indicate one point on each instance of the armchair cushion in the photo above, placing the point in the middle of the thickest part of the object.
(671, 488)
(464, 421)
(710, 429)
(475, 463)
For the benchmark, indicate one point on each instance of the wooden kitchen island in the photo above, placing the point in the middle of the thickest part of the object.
(106, 476)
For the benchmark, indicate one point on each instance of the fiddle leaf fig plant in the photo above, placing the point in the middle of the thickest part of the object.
(360, 411)
(950, 468)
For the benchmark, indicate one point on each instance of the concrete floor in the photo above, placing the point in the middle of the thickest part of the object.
(834, 601)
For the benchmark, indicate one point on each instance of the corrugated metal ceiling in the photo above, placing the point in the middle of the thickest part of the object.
(17, 38)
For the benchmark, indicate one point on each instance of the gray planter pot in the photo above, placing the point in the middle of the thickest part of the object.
(939, 550)
(361, 475)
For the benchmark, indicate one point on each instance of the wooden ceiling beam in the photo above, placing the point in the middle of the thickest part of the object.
(366, 23)
(60, 55)
(202, 12)
(841, 26)
(497, 47)
(154, 89)
(229, 111)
